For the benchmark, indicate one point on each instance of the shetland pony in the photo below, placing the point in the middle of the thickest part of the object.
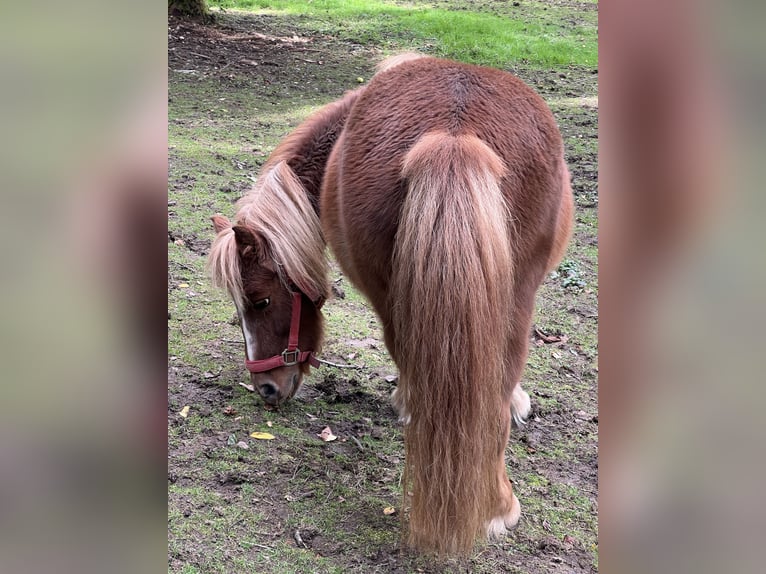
(445, 198)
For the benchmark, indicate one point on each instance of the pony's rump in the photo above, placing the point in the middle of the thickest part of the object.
(441, 202)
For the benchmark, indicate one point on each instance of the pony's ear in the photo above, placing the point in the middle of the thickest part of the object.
(220, 223)
(248, 243)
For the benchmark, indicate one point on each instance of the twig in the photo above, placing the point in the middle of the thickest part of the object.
(192, 269)
(201, 55)
(269, 534)
(339, 365)
(356, 441)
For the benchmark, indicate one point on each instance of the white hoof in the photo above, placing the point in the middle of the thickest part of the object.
(521, 406)
(397, 401)
(500, 525)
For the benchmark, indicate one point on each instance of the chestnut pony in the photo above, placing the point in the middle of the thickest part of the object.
(442, 189)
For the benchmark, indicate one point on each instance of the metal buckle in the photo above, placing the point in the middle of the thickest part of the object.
(290, 358)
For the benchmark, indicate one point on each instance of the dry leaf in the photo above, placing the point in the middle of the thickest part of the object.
(243, 444)
(326, 435)
(184, 412)
(183, 285)
(250, 388)
(269, 424)
(389, 510)
(262, 435)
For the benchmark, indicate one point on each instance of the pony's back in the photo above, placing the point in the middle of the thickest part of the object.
(442, 203)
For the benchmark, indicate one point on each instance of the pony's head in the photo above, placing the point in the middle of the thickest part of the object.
(276, 275)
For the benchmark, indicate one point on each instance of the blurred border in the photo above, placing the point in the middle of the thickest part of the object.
(83, 174)
(681, 286)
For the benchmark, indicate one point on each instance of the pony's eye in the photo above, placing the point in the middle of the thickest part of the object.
(261, 304)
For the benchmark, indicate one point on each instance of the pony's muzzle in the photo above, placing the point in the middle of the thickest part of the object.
(269, 393)
(278, 385)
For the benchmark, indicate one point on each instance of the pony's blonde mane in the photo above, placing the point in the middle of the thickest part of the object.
(223, 265)
(277, 210)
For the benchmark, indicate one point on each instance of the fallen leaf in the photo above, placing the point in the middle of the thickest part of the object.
(262, 435)
(179, 242)
(184, 412)
(269, 424)
(250, 388)
(183, 285)
(546, 338)
(326, 435)
(243, 444)
(232, 440)
(389, 510)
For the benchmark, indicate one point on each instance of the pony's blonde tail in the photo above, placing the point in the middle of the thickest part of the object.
(451, 301)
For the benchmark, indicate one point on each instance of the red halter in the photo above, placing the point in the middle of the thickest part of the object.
(292, 355)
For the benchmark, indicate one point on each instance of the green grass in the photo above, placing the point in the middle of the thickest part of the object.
(482, 38)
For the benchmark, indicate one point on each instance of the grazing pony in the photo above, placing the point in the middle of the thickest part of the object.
(443, 192)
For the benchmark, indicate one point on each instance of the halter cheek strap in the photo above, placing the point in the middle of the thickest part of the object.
(292, 355)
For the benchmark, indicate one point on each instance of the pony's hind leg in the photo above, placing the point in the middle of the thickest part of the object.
(509, 508)
(501, 524)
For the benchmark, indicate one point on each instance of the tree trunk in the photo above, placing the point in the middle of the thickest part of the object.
(188, 8)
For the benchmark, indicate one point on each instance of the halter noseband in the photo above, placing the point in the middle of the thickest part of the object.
(292, 355)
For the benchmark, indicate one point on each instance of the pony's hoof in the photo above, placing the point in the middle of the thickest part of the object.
(521, 406)
(397, 401)
(500, 525)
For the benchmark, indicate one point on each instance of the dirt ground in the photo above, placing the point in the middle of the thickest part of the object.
(296, 503)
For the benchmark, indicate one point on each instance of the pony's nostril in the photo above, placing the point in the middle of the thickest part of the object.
(268, 390)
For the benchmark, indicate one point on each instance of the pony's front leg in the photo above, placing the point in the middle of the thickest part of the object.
(399, 404)
(521, 406)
